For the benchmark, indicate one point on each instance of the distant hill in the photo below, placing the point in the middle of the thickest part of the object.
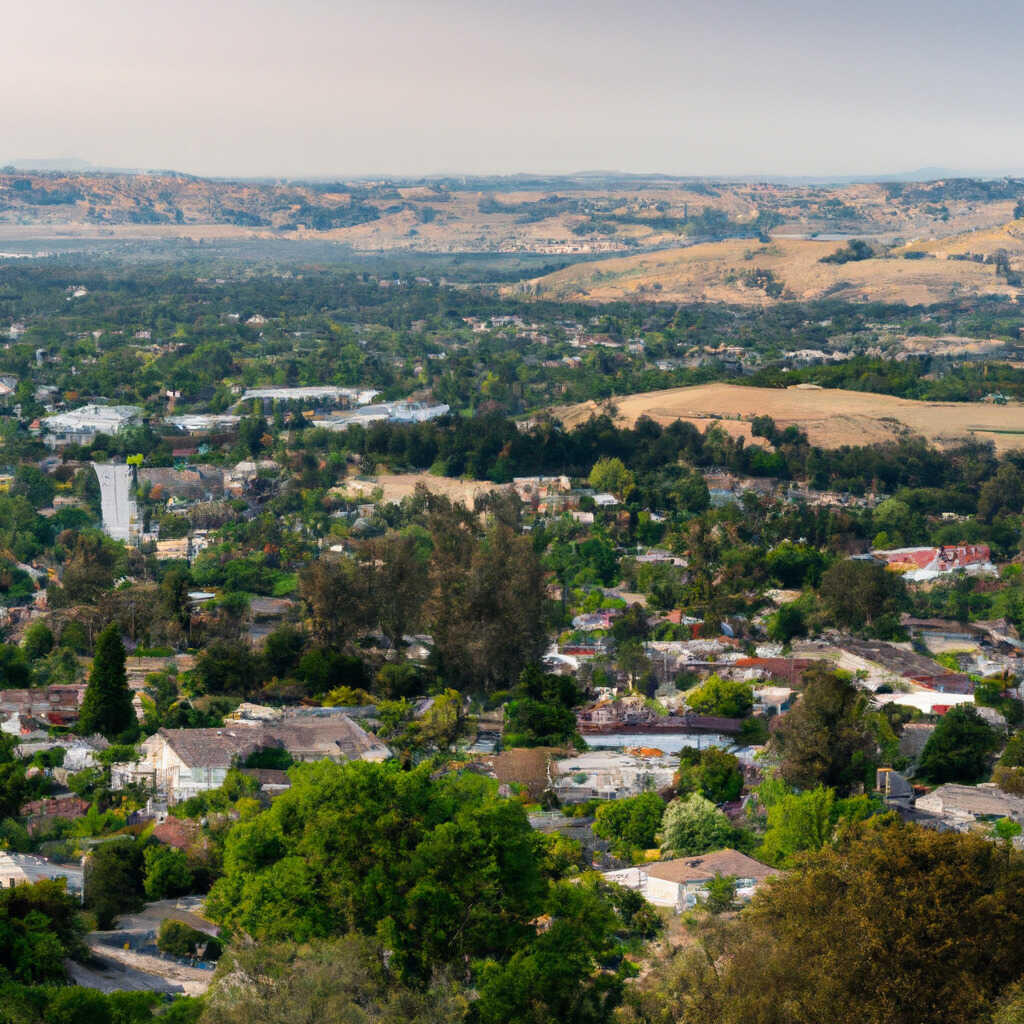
(984, 262)
(594, 214)
(69, 163)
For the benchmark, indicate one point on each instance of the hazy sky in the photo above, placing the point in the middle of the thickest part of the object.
(293, 87)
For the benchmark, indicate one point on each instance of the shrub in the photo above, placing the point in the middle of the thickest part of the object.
(179, 939)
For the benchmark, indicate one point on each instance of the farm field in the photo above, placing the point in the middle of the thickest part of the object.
(830, 417)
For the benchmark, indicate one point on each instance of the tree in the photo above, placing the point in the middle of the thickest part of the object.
(39, 927)
(631, 823)
(15, 671)
(694, 825)
(227, 666)
(107, 704)
(335, 591)
(612, 476)
(487, 603)
(720, 894)
(825, 738)
(959, 748)
(856, 592)
(725, 697)
(167, 873)
(953, 914)
(798, 822)
(344, 979)
(113, 880)
(719, 776)
(788, 622)
(440, 868)
(398, 585)
(37, 641)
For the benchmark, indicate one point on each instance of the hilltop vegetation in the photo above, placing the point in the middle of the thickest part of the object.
(581, 215)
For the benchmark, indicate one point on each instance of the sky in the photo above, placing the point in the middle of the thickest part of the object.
(415, 87)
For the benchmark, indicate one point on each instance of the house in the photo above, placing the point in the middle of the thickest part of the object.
(25, 869)
(773, 700)
(609, 776)
(55, 704)
(922, 564)
(81, 426)
(681, 883)
(181, 763)
(966, 804)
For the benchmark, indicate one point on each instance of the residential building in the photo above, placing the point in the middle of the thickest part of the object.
(681, 884)
(25, 869)
(610, 776)
(181, 763)
(314, 393)
(921, 564)
(966, 804)
(82, 425)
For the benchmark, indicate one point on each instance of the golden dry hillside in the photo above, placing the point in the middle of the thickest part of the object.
(559, 216)
(830, 417)
(749, 273)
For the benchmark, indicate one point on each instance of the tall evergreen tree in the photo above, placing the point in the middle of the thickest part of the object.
(107, 706)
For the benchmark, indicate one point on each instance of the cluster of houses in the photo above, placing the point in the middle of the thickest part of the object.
(335, 408)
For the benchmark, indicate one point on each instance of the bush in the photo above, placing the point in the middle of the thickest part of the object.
(179, 939)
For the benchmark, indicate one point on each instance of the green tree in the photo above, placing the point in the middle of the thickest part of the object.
(114, 880)
(631, 823)
(720, 894)
(719, 775)
(39, 927)
(107, 704)
(856, 593)
(612, 476)
(726, 697)
(787, 623)
(798, 822)
(440, 868)
(15, 671)
(348, 979)
(959, 749)
(825, 737)
(38, 641)
(804, 949)
(167, 873)
(694, 825)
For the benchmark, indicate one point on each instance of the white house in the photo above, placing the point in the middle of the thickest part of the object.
(681, 883)
(80, 426)
(181, 763)
(25, 869)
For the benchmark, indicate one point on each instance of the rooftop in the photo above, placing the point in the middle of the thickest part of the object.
(699, 869)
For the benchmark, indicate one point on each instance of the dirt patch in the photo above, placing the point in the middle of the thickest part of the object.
(830, 417)
(396, 486)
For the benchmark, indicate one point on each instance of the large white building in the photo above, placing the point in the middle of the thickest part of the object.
(120, 512)
(318, 393)
(383, 412)
(80, 426)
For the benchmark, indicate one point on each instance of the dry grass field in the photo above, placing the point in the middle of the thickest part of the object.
(396, 486)
(831, 418)
(746, 272)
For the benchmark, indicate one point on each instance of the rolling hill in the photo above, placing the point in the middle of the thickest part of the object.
(831, 418)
